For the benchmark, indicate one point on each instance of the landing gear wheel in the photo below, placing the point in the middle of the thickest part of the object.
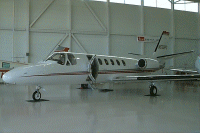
(153, 90)
(36, 96)
(84, 86)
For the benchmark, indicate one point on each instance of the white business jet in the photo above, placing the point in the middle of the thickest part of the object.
(80, 68)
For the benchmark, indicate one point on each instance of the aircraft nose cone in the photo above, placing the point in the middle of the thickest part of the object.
(7, 78)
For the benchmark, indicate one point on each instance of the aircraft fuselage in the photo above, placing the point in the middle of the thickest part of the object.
(74, 68)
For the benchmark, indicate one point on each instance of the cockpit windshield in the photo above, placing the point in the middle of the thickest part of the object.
(59, 57)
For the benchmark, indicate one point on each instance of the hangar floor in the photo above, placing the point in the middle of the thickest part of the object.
(126, 109)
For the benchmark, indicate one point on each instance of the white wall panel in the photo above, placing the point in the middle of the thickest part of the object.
(82, 18)
(186, 45)
(6, 14)
(19, 45)
(55, 17)
(125, 19)
(122, 45)
(36, 6)
(21, 14)
(42, 44)
(91, 43)
(100, 9)
(156, 20)
(6, 45)
(186, 24)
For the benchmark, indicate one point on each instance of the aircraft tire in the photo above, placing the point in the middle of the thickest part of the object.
(153, 90)
(84, 86)
(35, 96)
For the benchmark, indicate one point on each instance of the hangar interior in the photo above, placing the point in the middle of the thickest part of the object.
(31, 29)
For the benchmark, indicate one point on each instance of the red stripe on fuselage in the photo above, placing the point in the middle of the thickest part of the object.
(4, 70)
(86, 73)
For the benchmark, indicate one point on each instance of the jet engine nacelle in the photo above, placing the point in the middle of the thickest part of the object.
(142, 63)
(146, 63)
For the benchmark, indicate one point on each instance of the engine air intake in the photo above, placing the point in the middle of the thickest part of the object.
(142, 63)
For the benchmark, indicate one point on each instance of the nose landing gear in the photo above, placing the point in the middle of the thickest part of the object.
(37, 95)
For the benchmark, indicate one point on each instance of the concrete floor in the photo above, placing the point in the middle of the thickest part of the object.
(125, 109)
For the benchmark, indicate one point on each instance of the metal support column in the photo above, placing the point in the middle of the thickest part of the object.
(172, 32)
(27, 32)
(70, 24)
(108, 28)
(13, 31)
(142, 27)
(199, 28)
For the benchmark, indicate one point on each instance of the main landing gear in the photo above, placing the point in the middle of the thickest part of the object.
(153, 90)
(37, 95)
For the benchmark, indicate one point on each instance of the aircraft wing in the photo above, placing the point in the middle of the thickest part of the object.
(157, 78)
(184, 70)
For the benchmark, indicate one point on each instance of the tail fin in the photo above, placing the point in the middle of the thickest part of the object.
(161, 45)
(159, 52)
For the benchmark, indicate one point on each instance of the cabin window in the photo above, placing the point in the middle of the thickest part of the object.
(100, 61)
(118, 63)
(60, 58)
(112, 62)
(106, 61)
(72, 58)
(123, 62)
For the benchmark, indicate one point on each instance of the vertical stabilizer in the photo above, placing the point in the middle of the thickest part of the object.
(161, 46)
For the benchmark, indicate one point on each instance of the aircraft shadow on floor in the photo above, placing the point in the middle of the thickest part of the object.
(41, 100)
(152, 96)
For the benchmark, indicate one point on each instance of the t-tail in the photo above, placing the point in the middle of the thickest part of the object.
(161, 48)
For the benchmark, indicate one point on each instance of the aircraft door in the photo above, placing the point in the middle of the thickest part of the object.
(93, 68)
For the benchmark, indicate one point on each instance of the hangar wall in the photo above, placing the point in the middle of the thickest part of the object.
(37, 26)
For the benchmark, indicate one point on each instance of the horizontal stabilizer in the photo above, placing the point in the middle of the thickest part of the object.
(170, 77)
(184, 70)
(157, 77)
(174, 55)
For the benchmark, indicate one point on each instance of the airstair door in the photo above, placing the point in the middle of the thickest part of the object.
(93, 68)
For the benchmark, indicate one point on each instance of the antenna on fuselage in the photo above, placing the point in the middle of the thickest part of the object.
(134, 54)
